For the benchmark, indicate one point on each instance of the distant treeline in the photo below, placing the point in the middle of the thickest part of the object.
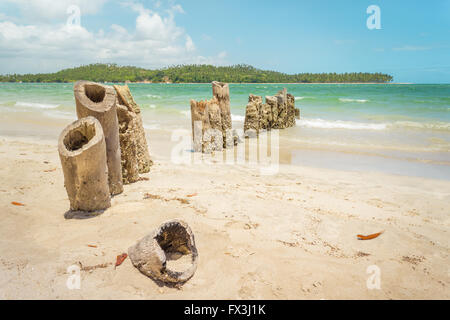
(191, 74)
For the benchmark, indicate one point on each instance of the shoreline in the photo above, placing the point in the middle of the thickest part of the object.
(251, 83)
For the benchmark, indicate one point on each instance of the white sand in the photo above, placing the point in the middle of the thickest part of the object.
(289, 236)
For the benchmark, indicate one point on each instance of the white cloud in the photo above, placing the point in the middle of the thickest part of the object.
(190, 46)
(46, 47)
(47, 10)
(177, 8)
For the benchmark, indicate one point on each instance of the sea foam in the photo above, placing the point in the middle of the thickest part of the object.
(339, 124)
(238, 118)
(36, 105)
(353, 100)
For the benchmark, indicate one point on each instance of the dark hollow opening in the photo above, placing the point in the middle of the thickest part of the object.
(95, 92)
(173, 238)
(78, 137)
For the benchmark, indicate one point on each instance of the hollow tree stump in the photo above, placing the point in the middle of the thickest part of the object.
(125, 98)
(82, 151)
(99, 101)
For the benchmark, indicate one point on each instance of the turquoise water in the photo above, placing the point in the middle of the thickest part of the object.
(409, 123)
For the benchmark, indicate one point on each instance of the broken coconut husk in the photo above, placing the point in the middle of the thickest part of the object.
(167, 254)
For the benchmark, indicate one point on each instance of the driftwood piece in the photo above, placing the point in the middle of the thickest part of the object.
(125, 98)
(82, 151)
(99, 101)
(167, 254)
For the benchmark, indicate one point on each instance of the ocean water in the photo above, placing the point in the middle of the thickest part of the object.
(397, 128)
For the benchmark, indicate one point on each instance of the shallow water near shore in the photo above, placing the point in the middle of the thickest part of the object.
(402, 129)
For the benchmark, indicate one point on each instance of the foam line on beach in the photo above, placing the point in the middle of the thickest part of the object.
(237, 118)
(339, 124)
(353, 100)
(351, 125)
(36, 105)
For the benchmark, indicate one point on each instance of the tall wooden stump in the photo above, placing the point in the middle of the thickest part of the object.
(252, 115)
(128, 144)
(82, 151)
(125, 98)
(206, 126)
(221, 91)
(99, 101)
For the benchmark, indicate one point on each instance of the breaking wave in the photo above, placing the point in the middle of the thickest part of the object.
(236, 117)
(353, 100)
(338, 124)
(36, 105)
(351, 125)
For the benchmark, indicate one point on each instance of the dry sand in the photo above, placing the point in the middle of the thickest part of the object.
(288, 236)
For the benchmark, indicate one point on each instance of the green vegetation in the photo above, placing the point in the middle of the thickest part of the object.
(191, 74)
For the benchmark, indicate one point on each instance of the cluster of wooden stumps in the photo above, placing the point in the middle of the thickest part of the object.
(279, 112)
(105, 148)
(211, 119)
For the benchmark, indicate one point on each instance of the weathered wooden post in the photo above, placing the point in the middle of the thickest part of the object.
(252, 115)
(143, 157)
(99, 101)
(128, 144)
(221, 91)
(82, 151)
(206, 126)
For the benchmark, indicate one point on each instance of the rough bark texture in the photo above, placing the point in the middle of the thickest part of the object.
(125, 98)
(252, 115)
(99, 101)
(206, 126)
(82, 150)
(151, 254)
(128, 144)
(290, 121)
(221, 91)
(278, 112)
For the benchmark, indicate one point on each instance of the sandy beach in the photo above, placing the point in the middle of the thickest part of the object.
(287, 236)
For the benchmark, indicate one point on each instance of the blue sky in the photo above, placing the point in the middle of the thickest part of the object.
(294, 36)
